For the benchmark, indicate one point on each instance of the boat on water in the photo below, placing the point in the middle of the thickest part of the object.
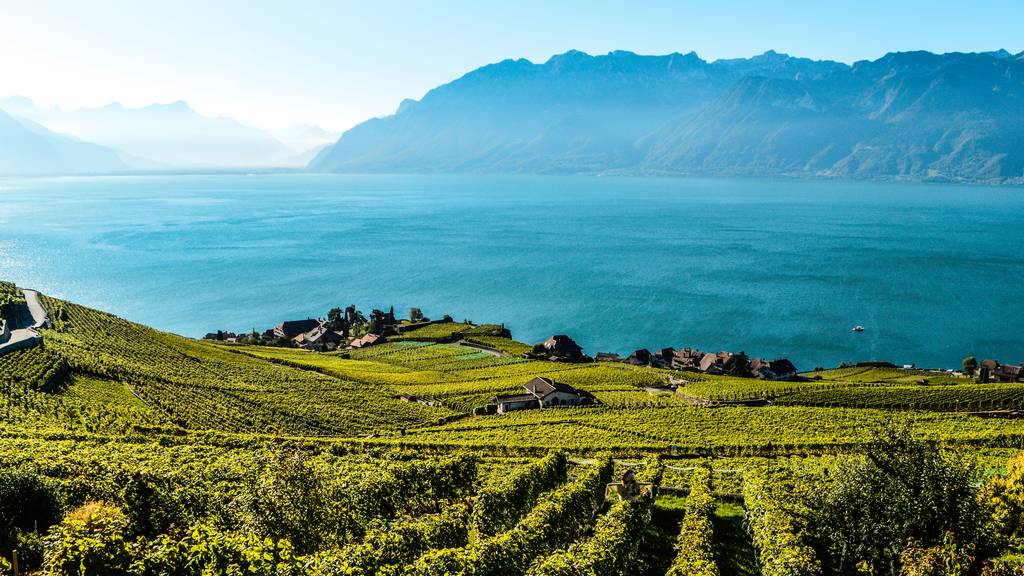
(857, 328)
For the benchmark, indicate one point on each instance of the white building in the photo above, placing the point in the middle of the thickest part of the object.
(544, 393)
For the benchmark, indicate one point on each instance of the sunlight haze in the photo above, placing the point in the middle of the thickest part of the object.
(336, 64)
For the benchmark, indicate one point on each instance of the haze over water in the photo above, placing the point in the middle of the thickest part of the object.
(775, 268)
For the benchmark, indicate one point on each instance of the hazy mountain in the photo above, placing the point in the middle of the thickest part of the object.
(914, 115)
(302, 137)
(170, 134)
(28, 148)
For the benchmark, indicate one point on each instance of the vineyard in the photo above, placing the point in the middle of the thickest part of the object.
(9, 294)
(126, 450)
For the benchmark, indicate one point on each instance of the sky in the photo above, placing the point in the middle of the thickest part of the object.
(337, 63)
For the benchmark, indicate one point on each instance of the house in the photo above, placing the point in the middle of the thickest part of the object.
(1009, 373)
(780, 369)
(714, 363)
(641, 357)
(987, 369)
(293, 328)
(516, 402)
(665, 357)
(320, 338)
(560, 348)
(686, 359)
(607, 357)
(368, 340)
(544, 392)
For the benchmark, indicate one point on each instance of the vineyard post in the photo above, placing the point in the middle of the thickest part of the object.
(14, 562)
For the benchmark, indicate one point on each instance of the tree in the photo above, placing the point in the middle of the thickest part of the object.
(738, 365)
(353, 316)
(416, 315)
(970, 365)
(334, 318)
(900, 493)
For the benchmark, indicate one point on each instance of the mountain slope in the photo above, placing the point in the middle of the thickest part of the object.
(28, 148)
(169, 134)
(574, 112)
(912, 115)
(915, 115)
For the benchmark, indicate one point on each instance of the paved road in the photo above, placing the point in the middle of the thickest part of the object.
(39, 317)
(27, 336)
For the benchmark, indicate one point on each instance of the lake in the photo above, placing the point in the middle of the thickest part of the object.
(775, 268)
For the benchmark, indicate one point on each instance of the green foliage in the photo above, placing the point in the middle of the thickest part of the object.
(90, 540)
(902, 490)
(27, 502)
(10, 296)
(205, 551)
(505, 345)
(612, 548)
(499, 505)
(557, 520)
(201, 385)
(780, 537)
(293, 498)
(1003, 499)
(399, 543)
(694, 554)
(262, 460)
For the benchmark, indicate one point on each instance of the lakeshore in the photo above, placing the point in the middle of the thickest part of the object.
(776, 268)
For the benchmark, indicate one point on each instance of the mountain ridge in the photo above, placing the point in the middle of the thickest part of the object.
(29, 148)
(907, 115)
(174, 135)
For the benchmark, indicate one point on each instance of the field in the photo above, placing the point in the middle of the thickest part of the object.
(175, 456)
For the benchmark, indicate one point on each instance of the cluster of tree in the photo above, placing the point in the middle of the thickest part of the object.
(905, 506)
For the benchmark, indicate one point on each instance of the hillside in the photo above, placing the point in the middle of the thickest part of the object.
(28, 148)
(168, 454)
(906, 115)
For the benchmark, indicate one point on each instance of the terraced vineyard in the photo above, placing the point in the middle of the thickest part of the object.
(143, 452)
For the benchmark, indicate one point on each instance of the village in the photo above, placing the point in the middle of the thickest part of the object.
(346, 329)
(351, 329)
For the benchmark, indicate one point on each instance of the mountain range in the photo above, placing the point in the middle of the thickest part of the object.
(908, 115)
(28, 148)
(168, 136)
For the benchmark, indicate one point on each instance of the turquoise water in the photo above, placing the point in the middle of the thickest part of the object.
(775, 268)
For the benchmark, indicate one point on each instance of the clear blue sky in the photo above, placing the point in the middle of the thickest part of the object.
(336, 63)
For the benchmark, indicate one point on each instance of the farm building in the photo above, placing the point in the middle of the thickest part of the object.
(544, 393)
(293, 328)
(780, 369)
(1009, 373)
(320, 337)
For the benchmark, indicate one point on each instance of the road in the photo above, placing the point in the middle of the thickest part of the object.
(28, 335)
(35, 306)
